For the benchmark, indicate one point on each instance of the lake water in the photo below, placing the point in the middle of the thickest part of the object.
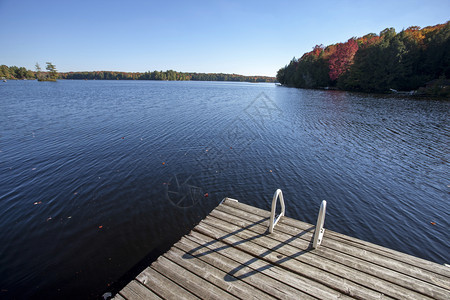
(97, 178)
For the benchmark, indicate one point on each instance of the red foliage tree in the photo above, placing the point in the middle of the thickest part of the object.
(317, 50)
(342, 58)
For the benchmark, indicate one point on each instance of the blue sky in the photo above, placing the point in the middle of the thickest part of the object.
(242, 37)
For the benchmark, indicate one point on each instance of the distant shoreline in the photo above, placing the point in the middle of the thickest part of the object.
(63, 79)
(168, 75)
(13, 72)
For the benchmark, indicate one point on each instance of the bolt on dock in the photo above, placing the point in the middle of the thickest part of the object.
(231, 254)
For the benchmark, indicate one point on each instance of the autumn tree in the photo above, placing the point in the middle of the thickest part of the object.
(376, 63)
(341, 60)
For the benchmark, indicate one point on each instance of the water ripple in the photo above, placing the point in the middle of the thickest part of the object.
(86, 167)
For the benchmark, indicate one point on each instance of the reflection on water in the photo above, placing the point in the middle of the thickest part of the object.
(95, 175)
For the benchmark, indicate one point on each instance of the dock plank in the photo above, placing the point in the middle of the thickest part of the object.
(329, 234)
(256, 266)
(273, 287)
(135, 290)
(163, 286)
(423, 281)
(308, 256)
(118, 297)
(216, 276)
(272, 249)
(231, 255)
(404, 263)
(267, 252)
(185, 278)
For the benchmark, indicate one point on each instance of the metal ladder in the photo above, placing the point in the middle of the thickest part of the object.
(319, 230)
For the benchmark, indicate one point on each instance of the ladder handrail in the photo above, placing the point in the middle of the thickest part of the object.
(278, 194)
(319, 231)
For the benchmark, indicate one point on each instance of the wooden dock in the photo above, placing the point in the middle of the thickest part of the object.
(230, 255)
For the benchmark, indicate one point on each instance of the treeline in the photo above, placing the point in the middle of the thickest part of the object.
(163, 75)
(401, 61)
(14, 72)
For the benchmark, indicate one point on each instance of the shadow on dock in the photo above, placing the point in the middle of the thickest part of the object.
(231, 276)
